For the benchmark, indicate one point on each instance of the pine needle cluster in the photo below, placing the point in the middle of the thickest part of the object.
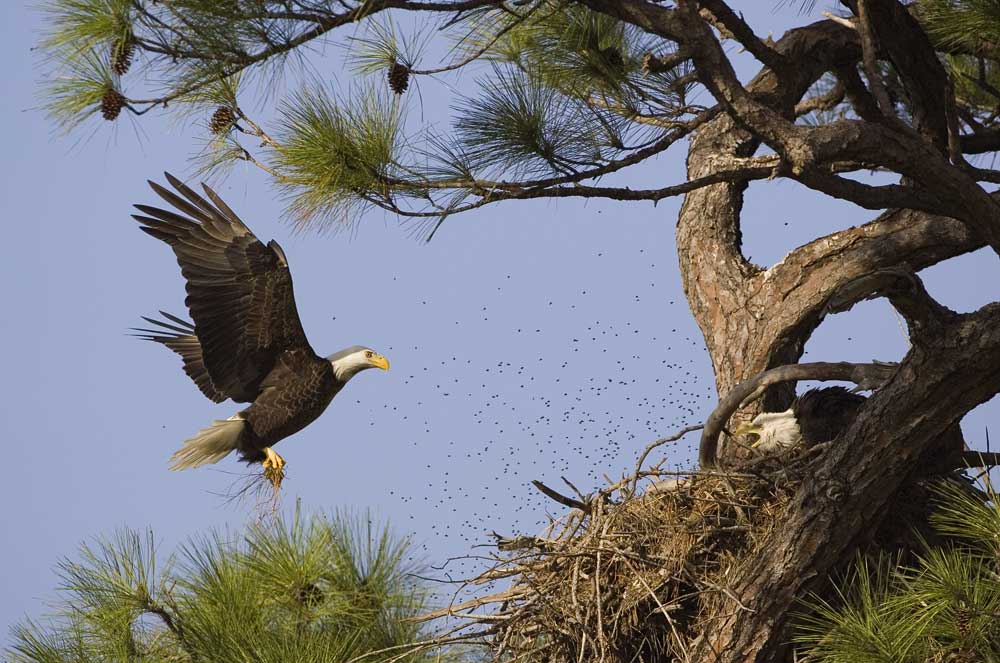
(326, 588)
(337, 156)
(942, 608)
(973, 24)
(519, 124)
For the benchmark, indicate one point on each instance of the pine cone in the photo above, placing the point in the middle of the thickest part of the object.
(963, 621)
(399, 77)
(222, 120)
(121, 55)
(111, 104)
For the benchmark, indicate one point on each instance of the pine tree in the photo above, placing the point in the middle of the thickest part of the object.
(942, 608)
(325, 588)
(570, 95)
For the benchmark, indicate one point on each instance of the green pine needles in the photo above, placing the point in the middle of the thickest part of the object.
(336, 157)
(945, 607)
(326, 588)
(565, 96)
(519, 124)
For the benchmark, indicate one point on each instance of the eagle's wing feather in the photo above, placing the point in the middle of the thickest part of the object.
(822, 414)
(239, 289)
(180, 338)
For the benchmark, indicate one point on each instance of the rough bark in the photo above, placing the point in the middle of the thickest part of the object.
(854, 481)
(754, 319)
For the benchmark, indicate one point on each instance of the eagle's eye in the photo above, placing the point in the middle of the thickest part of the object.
(369, 354)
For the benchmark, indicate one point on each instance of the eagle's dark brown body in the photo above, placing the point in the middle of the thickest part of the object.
(247, 343)
(304, 387)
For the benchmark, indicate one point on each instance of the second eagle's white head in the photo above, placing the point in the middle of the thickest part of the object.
(774, 431)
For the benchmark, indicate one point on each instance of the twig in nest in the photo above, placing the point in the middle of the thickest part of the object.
(446, 638)
(559, 497)
(663, 610)
(658, 443)
(703, 582)
(519, 542)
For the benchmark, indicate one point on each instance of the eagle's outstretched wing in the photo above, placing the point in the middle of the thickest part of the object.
(239, 290)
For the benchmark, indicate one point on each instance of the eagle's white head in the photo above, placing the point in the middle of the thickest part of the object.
(350, 361)
(774, 430)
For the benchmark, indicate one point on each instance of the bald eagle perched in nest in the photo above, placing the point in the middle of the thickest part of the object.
(247, 343)
(818, 415)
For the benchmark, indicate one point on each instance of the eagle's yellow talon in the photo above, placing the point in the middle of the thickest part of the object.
(273, 461)
(274, 467)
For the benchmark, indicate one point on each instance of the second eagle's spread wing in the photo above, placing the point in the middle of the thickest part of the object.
(239, 290)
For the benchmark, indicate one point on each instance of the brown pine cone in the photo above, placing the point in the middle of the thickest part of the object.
(111, 104)
(121, 55)
(222, 120)
(399, 77)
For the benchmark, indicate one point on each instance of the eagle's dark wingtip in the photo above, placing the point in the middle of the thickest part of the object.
(177, 320)
(146, 334)
(173, 325)
(176, 183)
(158, 234)
(160, 190)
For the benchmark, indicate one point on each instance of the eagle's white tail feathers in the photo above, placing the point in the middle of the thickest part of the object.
(210, 445)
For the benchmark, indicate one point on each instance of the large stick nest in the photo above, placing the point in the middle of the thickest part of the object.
(627, 577)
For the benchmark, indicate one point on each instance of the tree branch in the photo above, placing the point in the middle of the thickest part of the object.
(905, 43)
(756, 169)
(905, 291)
(323, 23)
(744, 34)
(870, 58)
(826, 101)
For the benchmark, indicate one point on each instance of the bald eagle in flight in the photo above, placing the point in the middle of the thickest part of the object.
(818, 415)
(247, 343)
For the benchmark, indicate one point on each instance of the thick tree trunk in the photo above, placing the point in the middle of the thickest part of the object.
(956, 368)
(754, 319)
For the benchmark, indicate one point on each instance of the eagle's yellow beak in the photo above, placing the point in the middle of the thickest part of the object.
(752, 429)
(379, 361)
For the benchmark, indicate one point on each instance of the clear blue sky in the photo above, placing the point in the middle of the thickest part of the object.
(502, 333)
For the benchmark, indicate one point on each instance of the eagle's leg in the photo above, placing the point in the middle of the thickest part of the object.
(274, 467)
